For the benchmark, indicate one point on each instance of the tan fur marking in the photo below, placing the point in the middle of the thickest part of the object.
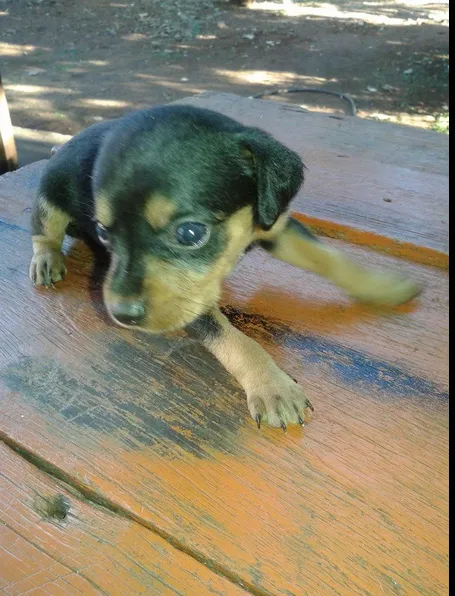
(172, 295)
(48, 263)
(159, 210)
(362, 284)
(103, 210)
(273, 397)
(239, 230)
(43, 244)
(274, 231)
(180, 296)
(244, 358)
(175, 295)
(54, 223)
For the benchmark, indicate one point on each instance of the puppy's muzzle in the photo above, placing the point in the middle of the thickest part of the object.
(128, 312)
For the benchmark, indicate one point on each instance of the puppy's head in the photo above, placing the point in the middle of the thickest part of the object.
(180, 193)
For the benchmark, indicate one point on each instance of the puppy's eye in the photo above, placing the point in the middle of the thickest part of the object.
(192, 233)
(102, 233)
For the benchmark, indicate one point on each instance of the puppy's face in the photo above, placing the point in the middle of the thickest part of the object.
(177, 207)
(167, 266)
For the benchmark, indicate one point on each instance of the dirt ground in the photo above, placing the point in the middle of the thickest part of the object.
(69, 63)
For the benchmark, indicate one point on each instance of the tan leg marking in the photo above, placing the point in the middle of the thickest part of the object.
(364, 285)
(273, 397)
(48, 263)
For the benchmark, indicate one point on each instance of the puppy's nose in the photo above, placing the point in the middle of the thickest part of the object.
(131, 312)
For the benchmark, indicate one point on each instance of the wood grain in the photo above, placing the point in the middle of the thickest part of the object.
(379, 185)
(81, 548)
(153, 426)
(153, 429)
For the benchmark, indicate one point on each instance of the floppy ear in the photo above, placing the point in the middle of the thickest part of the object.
(278, 172)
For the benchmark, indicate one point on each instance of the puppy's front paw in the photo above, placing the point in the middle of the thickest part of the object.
(277, 400)
(386, 289)
(47, 267)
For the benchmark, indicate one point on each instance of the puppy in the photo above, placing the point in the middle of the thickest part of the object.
(177, 194)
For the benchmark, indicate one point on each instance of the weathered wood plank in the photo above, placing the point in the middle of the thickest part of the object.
(355, 504)
(53, 542)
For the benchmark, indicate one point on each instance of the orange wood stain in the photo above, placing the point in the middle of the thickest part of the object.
(350, 504)
(392, 246)
(90, 551)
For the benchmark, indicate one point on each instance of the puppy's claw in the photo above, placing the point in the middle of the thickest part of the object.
(278, 401)
(310, 405)
(47, 268)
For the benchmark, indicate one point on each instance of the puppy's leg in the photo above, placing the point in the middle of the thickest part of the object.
(273, 397)
(48, 225)
(296, 245)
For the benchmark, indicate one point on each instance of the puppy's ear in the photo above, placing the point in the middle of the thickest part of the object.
(278, 172)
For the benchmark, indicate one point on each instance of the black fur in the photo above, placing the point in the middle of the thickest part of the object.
(207, 164)
(278, 172)
(191, 153)
(297, 227)
(204, 328)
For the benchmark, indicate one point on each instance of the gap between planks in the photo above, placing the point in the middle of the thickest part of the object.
(93, 496)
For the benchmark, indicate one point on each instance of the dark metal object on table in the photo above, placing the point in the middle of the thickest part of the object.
(343, 96)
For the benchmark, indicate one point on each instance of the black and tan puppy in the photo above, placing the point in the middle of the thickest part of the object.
(177, 194)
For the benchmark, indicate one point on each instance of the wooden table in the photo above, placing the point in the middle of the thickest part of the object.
(129, 463)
